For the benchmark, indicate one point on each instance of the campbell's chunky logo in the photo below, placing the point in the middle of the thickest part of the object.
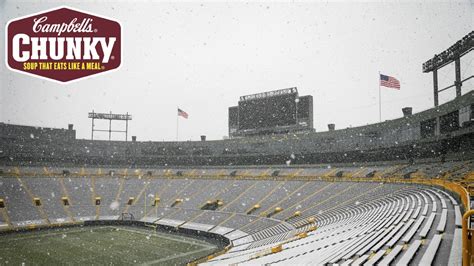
(63, 44)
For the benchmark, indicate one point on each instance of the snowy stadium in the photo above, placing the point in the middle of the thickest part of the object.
(395, 192)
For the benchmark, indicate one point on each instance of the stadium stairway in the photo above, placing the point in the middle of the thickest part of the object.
(372, 233)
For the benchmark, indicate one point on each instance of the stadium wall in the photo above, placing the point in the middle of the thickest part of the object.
(444, 131)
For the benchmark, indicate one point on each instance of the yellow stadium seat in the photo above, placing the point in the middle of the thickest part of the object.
(277, 249)
(156, 201)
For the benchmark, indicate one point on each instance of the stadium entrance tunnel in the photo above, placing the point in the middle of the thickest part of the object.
(109, 242)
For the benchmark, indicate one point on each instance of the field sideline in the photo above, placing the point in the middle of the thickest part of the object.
(99, 245)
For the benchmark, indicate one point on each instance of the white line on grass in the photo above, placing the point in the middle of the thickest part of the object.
(41, 234)
(175, 256)
(156, 234)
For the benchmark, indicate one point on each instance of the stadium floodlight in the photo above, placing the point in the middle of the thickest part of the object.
(452, 54)
(110, 116)
(460, 48)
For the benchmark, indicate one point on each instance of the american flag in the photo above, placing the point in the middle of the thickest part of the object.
(182, 113)
(389, 82)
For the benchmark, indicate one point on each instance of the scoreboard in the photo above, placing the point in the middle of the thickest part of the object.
(271, 112)
(267, 112)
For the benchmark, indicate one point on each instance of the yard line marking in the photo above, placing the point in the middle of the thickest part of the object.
(41, 235)
(175, 256)
(157, 234)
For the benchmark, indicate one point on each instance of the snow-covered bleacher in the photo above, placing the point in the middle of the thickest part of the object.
(289, 220)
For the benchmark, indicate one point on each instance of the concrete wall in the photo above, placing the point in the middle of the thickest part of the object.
(398, 139)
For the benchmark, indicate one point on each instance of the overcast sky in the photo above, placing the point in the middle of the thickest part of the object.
(203, 56)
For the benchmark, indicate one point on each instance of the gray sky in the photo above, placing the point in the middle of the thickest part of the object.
(203, 56)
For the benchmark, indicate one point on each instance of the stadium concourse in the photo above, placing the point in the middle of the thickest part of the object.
(277, 215)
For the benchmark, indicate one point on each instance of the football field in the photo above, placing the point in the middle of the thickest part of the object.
(100, 245)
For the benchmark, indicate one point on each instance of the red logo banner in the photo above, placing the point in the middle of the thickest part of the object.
(63, 44)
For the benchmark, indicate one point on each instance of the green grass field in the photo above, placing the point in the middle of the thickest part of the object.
(112, 245)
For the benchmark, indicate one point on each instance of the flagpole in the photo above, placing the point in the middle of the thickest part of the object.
(177, 124)
(144, 207)
(380, 101)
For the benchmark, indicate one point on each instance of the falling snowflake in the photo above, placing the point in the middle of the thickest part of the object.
(114, 205)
